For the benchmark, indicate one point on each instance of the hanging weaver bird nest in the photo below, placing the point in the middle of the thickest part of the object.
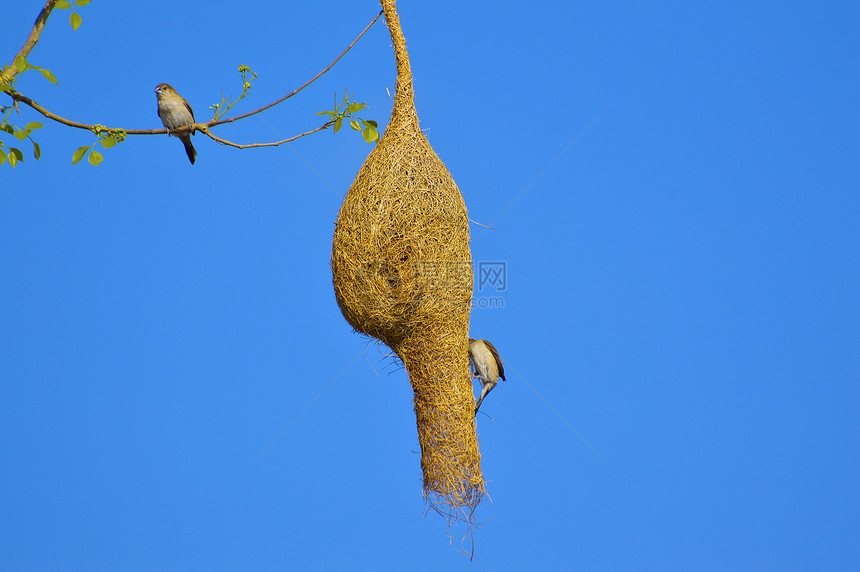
(403, 274)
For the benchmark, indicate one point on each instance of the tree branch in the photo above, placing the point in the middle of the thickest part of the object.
(9, 72)
(203, 127)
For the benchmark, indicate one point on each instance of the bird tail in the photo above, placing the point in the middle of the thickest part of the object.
(484, 391)
(189, 149)
(478, 404)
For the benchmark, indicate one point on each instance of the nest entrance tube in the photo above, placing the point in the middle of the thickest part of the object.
(402, 273)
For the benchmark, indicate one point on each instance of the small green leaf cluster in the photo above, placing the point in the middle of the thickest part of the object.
(23, 65)
(107, 138)
(75, 19)
(345, 110)
(226, 104)
(14, 154)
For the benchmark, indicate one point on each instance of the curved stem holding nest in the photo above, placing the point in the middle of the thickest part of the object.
(404, 70)
(404, 94)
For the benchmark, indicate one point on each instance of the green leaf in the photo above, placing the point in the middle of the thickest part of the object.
(370, 134)
(79, 154)
(95, 158)
(13, 159)
(5, 87)
(109, 142)
(355, 106)
(13, 152)
(82, 2)
(337, 124)
(21, 63)
(49, 76)
(332, 113)
(370, 123)
(7, 128)
(355, 124)
(63, 4)
(75, 20)
(21, 135)
(33, 125)
(2, 156)
(37, 151)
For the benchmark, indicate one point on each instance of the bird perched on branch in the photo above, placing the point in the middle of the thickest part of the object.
(488, 366)
(175, 112)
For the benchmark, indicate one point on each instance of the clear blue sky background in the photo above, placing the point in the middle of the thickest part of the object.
(674, 191)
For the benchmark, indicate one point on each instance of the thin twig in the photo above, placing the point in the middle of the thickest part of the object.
(298, 89)
(274, 144)
(483, 225)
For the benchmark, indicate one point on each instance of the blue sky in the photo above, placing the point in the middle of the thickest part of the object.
(674, 191)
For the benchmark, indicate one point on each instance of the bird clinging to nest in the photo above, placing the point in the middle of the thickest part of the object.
(488, 366)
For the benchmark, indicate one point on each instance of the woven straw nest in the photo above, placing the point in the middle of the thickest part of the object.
(403, 274)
